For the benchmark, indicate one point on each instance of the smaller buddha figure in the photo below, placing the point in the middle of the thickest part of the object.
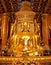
(25, 24)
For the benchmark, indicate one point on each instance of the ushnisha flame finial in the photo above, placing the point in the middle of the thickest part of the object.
(26, 6)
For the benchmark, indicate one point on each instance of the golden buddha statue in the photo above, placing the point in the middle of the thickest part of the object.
(24, 38)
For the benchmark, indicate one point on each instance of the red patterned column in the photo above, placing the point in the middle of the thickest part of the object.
(4, 29)
(45, 28)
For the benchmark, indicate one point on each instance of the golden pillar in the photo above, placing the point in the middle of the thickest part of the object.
(45, 28)
(4, 29)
